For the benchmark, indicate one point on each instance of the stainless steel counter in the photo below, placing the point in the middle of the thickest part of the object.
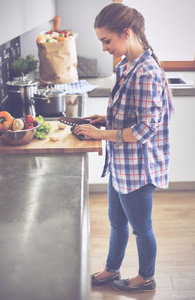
(44, 227)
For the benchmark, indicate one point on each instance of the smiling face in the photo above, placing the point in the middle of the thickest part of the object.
(112, 42)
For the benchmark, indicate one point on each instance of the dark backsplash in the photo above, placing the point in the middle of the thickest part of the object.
(8, 53)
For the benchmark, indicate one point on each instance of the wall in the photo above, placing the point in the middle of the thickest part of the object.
(80, 16)
(28, 39)
(169, 27)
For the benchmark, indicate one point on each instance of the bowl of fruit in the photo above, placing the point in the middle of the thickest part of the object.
(18, 131)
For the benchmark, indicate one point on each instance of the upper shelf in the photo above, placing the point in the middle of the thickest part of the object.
(21, 16)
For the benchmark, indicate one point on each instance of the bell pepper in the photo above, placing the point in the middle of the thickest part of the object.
(6, 120)
(60, 38)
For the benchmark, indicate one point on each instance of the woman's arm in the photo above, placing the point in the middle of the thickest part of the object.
(109, 135)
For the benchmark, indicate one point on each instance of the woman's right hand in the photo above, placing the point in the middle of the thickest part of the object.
(96, 119)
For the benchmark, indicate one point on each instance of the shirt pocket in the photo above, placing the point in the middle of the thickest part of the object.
(123, 112)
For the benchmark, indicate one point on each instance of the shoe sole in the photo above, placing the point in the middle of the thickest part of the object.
(132, 291)
(102, 283)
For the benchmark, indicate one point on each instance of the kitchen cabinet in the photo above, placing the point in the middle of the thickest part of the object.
(182, 131)
(18, 17)
(44, 227)
(97, 105)
(44, 219)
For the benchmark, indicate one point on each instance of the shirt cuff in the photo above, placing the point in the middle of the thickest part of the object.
(143, 132)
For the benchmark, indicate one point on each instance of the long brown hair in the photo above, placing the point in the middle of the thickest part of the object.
(116, 17)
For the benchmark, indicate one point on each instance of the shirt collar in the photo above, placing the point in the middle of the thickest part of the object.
(120, 69)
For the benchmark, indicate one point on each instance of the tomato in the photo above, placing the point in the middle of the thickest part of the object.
(29, 119)
(29, 126)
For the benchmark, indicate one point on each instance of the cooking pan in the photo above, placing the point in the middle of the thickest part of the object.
(20, 93)
(49, 102)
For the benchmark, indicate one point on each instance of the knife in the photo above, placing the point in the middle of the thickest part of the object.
(77, 121)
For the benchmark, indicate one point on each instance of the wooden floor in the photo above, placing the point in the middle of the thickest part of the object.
(174, 226)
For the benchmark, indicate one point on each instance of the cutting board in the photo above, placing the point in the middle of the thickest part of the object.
(67, 143)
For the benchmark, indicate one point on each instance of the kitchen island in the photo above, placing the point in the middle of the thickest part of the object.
(44, 220)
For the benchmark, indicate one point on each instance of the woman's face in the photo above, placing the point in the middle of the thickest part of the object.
(112, 42)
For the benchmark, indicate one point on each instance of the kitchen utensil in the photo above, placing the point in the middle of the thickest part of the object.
(77, 121)
(19, 101)
(49, 102)
(19, 137)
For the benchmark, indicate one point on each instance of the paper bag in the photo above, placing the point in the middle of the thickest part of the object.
(58, 62)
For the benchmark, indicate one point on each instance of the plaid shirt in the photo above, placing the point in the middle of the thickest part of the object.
(141, 103)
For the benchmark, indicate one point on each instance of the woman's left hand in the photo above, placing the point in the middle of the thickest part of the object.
(88, 130)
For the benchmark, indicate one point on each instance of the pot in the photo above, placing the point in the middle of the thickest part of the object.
(49, 102)
(19, 97)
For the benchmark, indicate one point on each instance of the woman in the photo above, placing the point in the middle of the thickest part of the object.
(137, 143)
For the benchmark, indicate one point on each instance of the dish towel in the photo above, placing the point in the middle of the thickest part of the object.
(79, 87)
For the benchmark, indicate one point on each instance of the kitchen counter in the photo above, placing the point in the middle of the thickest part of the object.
(44, 223)
(67, 143)
(105, 83)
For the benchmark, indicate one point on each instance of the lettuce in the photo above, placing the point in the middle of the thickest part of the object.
(43, 129)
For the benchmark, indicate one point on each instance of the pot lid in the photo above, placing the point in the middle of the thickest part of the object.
(49, 93)
(22, 83)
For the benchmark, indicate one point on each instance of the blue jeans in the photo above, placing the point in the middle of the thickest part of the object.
(134, 208)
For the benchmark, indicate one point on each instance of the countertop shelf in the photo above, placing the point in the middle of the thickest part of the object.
(105, 84)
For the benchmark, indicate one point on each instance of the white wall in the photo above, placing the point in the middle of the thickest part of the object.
(19, 16)
(170, 27)
(79, 16)
(28, 39)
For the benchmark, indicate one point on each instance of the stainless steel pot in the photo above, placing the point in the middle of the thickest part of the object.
(19, 97)
(49, 102)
